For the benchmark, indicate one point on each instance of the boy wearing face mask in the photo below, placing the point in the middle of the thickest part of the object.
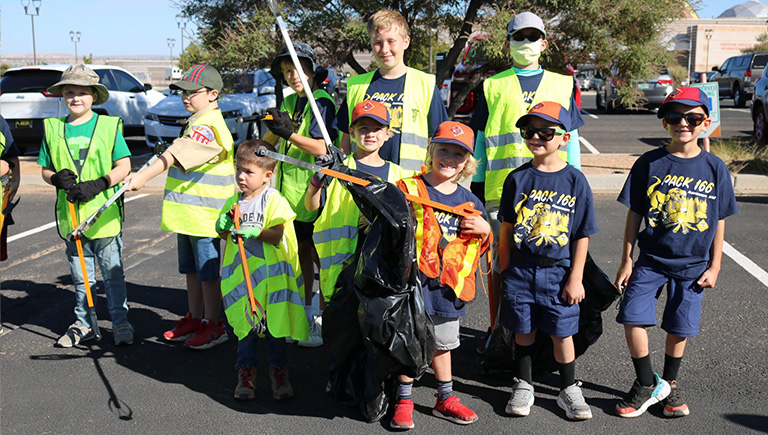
(509, 95)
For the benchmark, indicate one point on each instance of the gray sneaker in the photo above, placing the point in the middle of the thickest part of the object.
(522, 399)
(76, 333)
(572, 401)
(123, 334)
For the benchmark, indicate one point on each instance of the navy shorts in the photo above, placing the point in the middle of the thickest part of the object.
(199, 255)
(531, 300)
(682, 312)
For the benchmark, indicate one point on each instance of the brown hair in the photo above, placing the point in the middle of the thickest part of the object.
(246, 153)
(386, 19)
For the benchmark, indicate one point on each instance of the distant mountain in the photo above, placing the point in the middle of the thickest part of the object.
(51, 58)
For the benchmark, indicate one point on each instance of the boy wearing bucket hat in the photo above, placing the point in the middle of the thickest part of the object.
(85, 156)
(547, 217)
(200, 180)
(683, 195)
(296, 133)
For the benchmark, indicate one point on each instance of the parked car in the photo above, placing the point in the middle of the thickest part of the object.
(586, 81)
(25, 101)
(696, 77)
(251, 94)
(759, 108)
(736, 77)
(653, 91)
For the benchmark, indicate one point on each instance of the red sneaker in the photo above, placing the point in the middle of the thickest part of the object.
(185, 328)
(209, 334)
(452, 410)
(403, 418)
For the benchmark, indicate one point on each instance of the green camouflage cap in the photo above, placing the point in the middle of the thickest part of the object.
(81, 75)
(199, 76)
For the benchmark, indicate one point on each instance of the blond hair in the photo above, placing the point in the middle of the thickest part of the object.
(386, 19)
(469, 168)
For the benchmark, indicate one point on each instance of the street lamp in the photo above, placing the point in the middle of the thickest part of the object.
(28, 11)
(75, 37)
(181, 21)
(708, 36)
(171, 41)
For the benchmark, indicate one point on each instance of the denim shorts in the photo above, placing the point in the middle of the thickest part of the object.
(531, 300)
(199, 255)
(682, 312)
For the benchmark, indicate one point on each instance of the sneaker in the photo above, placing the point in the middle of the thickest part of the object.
(674, 406)
(184, 330)
(452, 410)
(315, 338)
(76, 333)
(572, 401)
(403, 417)
(245, 389)
(521, 400)
(123, 334)
(639, 398)
(208, 334)
(281, 385)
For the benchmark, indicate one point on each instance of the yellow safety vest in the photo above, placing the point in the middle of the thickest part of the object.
(98, 163)
(335, 233)
(417, 97)
(275, 275)
(505, 147)
(292, 181)
(193, 198)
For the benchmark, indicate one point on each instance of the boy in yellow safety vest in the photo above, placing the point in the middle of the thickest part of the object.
(200, 181)
(269, 241)
(85, 155)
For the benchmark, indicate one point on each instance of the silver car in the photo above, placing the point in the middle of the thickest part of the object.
(653, 92)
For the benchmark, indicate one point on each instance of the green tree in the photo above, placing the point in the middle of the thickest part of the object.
(88, 59)
(762, 44)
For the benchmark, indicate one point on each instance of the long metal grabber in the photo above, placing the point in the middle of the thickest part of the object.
(465, 210)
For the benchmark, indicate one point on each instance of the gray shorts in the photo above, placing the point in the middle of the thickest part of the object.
(446, 332)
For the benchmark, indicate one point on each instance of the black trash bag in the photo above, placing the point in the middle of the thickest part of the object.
(376, 326)
(600, 294)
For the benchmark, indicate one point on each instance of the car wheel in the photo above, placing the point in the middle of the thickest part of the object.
(610, 105)
(738, 97)
(761, 127)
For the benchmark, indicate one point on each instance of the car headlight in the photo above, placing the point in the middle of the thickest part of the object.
(152, 117)
(232, 113)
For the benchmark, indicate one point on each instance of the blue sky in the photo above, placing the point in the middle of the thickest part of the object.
(119, 28)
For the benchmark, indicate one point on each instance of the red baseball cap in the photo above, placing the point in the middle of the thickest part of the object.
(371, 109)
(457, 134)
(688, 96)
(550, 111)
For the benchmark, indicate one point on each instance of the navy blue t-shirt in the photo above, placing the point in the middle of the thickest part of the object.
(547, 210)
(326, 108)
(390, 93)
(681, 200)
(377, 171)
(11, 150)
(441, 300)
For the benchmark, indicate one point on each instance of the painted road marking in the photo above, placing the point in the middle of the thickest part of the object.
(588, 114)
(744, 261)
(50, 225)
(588, 145)
(730, 109)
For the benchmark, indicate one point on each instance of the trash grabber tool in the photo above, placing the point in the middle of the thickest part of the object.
(81, 256)
(256, 310)
(464, 210)
(311, 98)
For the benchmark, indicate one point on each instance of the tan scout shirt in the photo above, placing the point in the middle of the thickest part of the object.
(189, 152)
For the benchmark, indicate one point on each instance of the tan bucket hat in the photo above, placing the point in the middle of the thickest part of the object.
(81, 75)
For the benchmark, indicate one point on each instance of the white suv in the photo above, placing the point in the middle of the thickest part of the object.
(25, 101)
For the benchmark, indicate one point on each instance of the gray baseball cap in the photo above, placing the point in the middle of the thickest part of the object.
(525, 20)
(198, 77)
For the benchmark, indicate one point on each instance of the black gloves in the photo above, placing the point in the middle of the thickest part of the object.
(86, 190)
(281, 124)
(64, 179)
(325, 161)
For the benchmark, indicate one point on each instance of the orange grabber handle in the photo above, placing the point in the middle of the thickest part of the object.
(268, 117)
(79, 244)
(251, 299)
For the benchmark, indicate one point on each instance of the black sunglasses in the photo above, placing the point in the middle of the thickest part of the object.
(545, 134)
(693, 119)
(531, 37)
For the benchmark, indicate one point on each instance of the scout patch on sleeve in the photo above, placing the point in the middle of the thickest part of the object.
(202, 134)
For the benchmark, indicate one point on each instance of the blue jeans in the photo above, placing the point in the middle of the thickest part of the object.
(246, 352)
(199, 255)
(108, 253)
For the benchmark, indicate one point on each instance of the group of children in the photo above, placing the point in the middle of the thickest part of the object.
(391, 124)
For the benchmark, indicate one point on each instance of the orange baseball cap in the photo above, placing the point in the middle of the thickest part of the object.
(371, 109)
(457, 134)
(550, 111)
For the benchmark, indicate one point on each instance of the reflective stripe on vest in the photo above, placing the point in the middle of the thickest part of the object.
(193, 199)
(505, 147)
(97, 164)
(417, 98)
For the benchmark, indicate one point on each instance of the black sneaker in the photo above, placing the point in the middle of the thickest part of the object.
(674, 406)
(639, 398)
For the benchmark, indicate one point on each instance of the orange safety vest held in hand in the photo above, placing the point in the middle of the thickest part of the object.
(456, 263)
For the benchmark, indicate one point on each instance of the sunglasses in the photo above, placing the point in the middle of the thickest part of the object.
(545, 134)
(531, 37)
(693, 119)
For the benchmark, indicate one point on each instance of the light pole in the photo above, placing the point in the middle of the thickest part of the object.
(708, 36)
(28, 11)
(690, 43)
(75, 37)
(171, 41)
(181, 21)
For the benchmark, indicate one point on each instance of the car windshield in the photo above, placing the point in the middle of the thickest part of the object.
(28, 80)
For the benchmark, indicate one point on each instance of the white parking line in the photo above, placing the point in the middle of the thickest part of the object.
(731, 109)
(50, 225)
(588, 114)
(744, 261)
(588, 145)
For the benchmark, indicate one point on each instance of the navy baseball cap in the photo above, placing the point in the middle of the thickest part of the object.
(550, 111)
(688, 96)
